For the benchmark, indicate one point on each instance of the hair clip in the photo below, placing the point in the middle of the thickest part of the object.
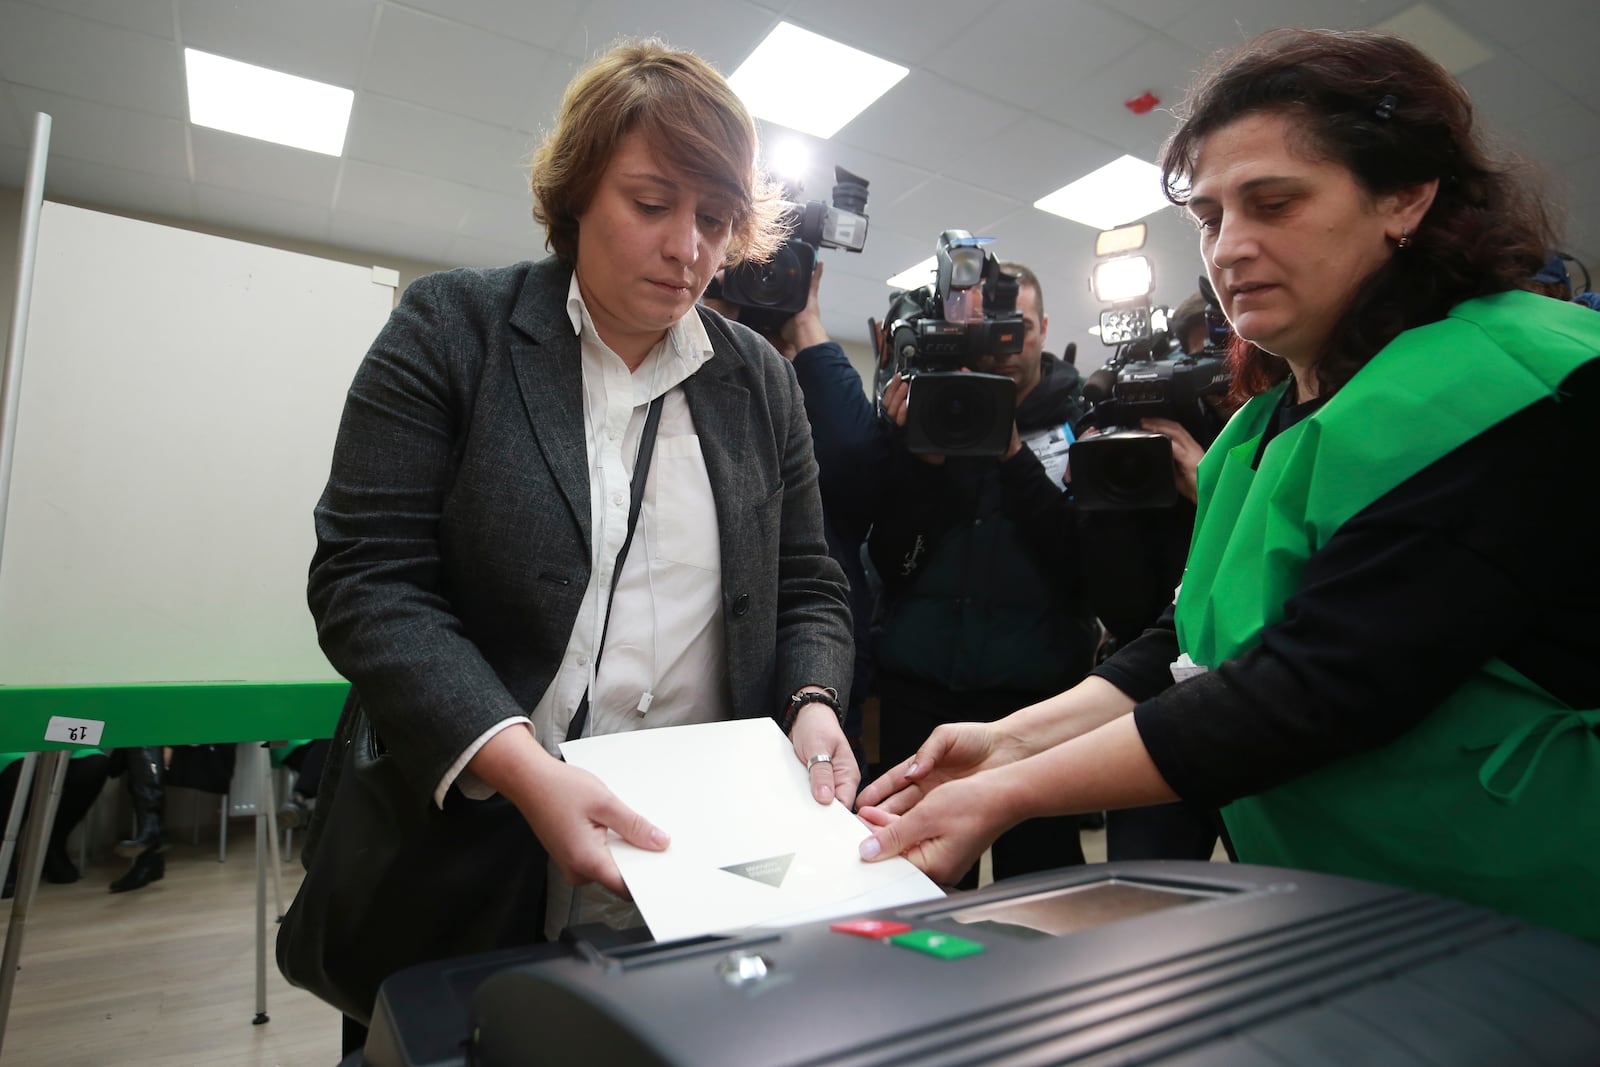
(1386, 106)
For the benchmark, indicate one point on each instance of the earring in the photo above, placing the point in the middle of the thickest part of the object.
(1405, 239)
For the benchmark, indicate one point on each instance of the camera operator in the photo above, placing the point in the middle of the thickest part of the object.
(983, 605)
(851, 450)
(1139, 558)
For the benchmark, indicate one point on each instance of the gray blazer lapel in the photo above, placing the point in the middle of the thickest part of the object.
(548, 365)
(720, 408)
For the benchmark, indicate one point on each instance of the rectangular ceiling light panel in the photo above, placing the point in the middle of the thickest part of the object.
(1123, 191)
(225, 94)
(810, 83)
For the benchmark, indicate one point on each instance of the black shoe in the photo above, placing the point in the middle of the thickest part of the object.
(59, 868)
(147, 867)
(295, 813)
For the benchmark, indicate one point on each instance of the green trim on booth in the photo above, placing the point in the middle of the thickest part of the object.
(165, 713)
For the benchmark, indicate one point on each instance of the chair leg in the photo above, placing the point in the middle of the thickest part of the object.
(222, 831)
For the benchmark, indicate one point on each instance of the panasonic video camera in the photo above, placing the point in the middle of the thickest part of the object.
(768, 294)
(932, 333)
(1124, 467)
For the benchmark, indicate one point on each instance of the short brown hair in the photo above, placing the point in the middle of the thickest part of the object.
(691, 119)
(1393, 117)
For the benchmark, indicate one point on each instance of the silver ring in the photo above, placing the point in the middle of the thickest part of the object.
(820, 757)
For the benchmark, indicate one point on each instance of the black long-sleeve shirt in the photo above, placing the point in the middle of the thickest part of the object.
(1484, 554)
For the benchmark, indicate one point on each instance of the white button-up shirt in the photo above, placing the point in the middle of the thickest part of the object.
(665, 646)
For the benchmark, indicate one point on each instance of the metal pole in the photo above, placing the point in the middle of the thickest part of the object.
(263, 765)
(41, 816)
(53, 767)
(16, 341)
(19, 804)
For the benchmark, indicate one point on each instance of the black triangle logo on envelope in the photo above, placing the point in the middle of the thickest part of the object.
(768, 871)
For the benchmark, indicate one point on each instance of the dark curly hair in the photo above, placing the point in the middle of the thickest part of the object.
(1486, 232)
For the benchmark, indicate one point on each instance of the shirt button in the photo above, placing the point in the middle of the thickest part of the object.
(583, 660)
(612, 434)
(742, 605)
(616, 499)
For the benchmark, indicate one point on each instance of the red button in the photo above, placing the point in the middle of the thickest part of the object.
(873, 928)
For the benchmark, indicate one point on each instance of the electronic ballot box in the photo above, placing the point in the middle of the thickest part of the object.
(1169, 963)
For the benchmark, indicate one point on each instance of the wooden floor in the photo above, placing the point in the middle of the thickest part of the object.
(163, 976)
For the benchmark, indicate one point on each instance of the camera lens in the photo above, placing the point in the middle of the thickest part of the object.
(960, 418)
(775, 282)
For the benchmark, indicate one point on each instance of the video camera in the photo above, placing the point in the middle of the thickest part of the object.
(933, 332)
(768, 294)
(1123, 467)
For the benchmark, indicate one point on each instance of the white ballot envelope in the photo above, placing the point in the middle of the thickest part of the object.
(750, 846)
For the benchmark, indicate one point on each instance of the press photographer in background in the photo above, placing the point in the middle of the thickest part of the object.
(983, 604)
(1381, 658)
(779, 299)
(1136, 528)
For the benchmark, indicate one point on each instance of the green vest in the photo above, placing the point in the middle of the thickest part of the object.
(1495, 797)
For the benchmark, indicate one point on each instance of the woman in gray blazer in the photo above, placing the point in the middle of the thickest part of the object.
(480, 492)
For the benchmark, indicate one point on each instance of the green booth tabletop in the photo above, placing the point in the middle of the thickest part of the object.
(169, 713)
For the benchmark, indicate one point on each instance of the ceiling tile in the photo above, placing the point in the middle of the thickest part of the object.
(1156, 13)
(535, 23)
(153, 17)
(1098, 107)
(1032, 52)
(885, 30)
(16, 129)
(244, 164)
(1040, 157)
(112, 136)
(406, 136)
(506, 220)
(1562, 135)
(1211, 26)
(1569, 61)
(415, 199)
(925, 120)
(1507, 89)
(471, 72)
(1512, 25)
(256, 213)
(90, 60)
(940, 204)
(117, 191)
(723, 32)
(544, 85)
(274, 35)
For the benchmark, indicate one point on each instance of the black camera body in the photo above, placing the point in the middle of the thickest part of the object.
(936, 331)
(769, 294)
(1125, 468)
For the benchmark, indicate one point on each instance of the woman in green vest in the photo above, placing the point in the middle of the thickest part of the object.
(1380, 660)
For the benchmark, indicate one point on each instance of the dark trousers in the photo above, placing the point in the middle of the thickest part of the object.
(1175, 831)
(909, 709)
(82, 785)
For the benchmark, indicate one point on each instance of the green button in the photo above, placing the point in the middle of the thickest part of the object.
(944, 946)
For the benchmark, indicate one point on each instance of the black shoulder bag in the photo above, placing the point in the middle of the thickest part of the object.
(395, 881)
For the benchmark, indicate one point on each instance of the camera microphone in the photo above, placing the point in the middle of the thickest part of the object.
(1098, 386)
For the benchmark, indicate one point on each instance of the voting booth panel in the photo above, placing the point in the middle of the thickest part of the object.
(179, 401)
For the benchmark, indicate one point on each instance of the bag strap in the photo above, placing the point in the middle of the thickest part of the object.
(641, 467)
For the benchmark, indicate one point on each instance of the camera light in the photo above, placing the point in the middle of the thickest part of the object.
(1120, 325)
(789, 159)
(1120, 280)
(966, 267)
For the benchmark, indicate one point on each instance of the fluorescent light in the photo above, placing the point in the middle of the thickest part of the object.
(788, 159)
(268, 105)
(1122, 191)
(915, 277)
(1125, 278)
(811, 83)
